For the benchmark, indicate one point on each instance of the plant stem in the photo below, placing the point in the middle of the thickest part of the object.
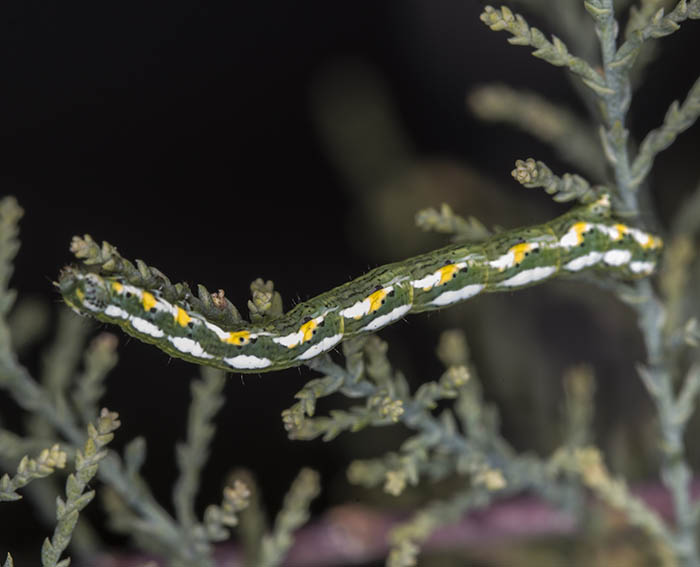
(30, 396)
(675, 472)
(616, 106)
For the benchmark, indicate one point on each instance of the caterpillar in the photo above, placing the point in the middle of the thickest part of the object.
(585, 238)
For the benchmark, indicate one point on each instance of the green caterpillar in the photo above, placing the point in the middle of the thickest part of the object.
(582, 239)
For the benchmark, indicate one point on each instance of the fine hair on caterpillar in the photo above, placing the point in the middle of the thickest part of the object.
(586, 238)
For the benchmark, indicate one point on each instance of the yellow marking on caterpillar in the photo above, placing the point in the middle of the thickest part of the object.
(519, 251)
(307, 330)
(304, 334)
(513, 256)
(117, 287)
(579, 228)
(376, 299)
(239, 338)
(574, 235)
(148, 301)
(621, 230)
(182, 317)
(447, 273)
(80, 294)
(652, 242)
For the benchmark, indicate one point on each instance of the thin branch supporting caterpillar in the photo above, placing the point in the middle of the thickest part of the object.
(585, 238)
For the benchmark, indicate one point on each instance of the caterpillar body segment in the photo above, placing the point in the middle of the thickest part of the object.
(586, 238)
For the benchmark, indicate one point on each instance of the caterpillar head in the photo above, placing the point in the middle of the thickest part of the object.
(84, 293)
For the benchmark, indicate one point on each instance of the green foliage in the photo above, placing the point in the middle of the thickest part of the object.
(445, 220)
(570, 136)
(108, 260)
(453, 431)
(678, 119)
(99, 359)
(294, 514)
(86, 464)
(613, 88)
(266, 303)
(31, 469)
(193, 454)
(567, 188)
(10, 214)
(587, 462)
(554, 52)
(66, 400)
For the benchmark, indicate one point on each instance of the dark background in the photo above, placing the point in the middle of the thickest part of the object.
(184, 133)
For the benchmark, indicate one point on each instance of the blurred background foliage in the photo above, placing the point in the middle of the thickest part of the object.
(297, 142)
